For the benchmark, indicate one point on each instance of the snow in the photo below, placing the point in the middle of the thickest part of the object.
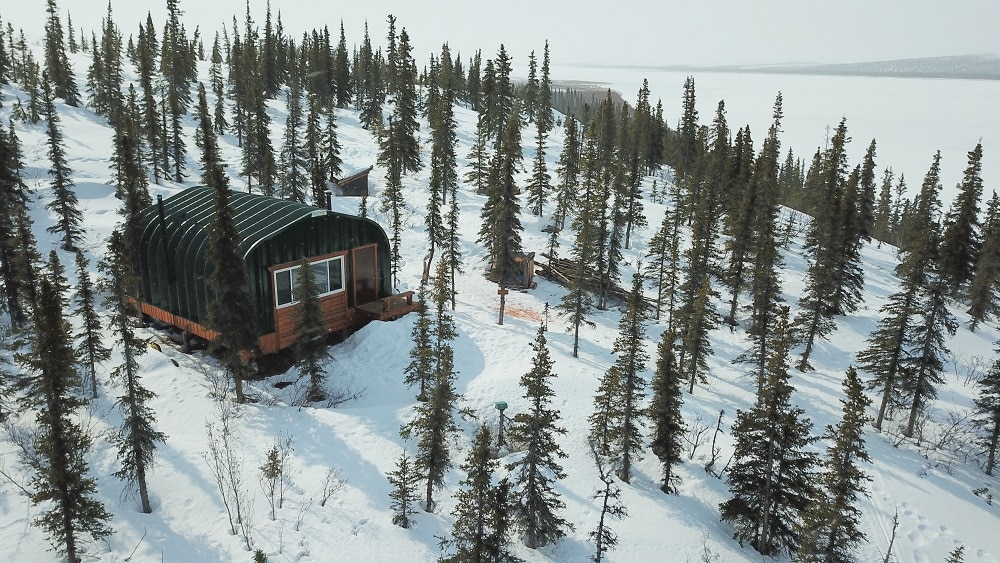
(931, 490)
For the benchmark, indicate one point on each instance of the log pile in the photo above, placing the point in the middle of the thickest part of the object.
(564, 271)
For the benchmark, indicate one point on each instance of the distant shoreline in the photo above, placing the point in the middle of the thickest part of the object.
(968, 67)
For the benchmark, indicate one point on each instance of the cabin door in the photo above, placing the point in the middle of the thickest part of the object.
(365, 275)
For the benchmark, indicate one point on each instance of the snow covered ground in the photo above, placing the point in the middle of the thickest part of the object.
(931, 489)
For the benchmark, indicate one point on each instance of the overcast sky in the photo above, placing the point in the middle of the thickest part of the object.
(631, 32)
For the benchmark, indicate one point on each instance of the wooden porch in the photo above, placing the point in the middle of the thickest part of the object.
(389, 308)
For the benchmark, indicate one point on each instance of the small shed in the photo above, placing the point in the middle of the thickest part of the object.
(354, 184)
(349, 255)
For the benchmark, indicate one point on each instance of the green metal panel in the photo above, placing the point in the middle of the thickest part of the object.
(174, 269)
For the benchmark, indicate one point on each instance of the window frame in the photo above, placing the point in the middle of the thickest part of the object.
(291, 282)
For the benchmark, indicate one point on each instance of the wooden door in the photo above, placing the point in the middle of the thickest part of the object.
(365, 268)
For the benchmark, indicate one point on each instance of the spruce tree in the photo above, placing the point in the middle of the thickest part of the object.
(146, 50)
(664, 413)
(213, 170)
(616, 420)
(481, 510)
(309, 346)
(987, 413)
(421, 365)
(662, 270)
(543, 100)
(695, 346)
(391, 201)
(889, 344)
(230, 310)
(536, 502)
(13, 198)
(771, 476)
(817, 305)
(341, 72)
(962, 238)
(501, 227)
(434, 423)
(218, 83)
(982, 293)
(568, 169)
(64, 202)
(540, 183)
(90, 349)
(61, 483)
(444, 169)
(922, 364)
(293, 158)
(137, 438)
(58, 72)
(404, 495)
(831, 528)
(578, 303)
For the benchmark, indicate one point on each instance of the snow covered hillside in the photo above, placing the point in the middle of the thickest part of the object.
(936, 489)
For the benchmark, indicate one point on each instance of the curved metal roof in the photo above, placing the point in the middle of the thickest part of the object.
(173, 246)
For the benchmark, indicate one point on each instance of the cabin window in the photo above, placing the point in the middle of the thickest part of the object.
(329, 276)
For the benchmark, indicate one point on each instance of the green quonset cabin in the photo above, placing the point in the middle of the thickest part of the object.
(350, 257)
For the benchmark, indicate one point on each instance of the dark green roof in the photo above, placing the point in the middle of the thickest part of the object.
(173, 264)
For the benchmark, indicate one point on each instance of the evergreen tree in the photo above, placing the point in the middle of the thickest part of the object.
(922, 364)
(137, 438)
(481, 510)
(392, 202)
(61, 483)
(865, 205)
(818, 304)
(771, 476)
(146, 50)
(882, 226)
(177, 76)
(664, 413)
(540, 183)
(434, 423)
(982, 293)
(695, 346)
(90, 349)
(341, 72)
(218, 88)
(104, 79)
(230, 310)
(444, 169)
(309, 346)
(421, 365)
(615, 422)
(13, 199)
(832, 524)
(662, 270)
(568, 169)
(740, 220)
(213, 171)
(131, 182)
(543, 100)
(987, 413)
(404, 132)
(404, 495)
(501, 227)
(64, 202)
(962, 238)
(535, 500)
(58, 73)
(577, 303)
(294, 159)
(611, 507)
(887, 349)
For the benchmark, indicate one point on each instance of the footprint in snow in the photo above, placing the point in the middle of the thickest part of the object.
(357, 527)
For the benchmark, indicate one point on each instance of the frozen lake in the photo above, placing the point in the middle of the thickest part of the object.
(910, 118)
